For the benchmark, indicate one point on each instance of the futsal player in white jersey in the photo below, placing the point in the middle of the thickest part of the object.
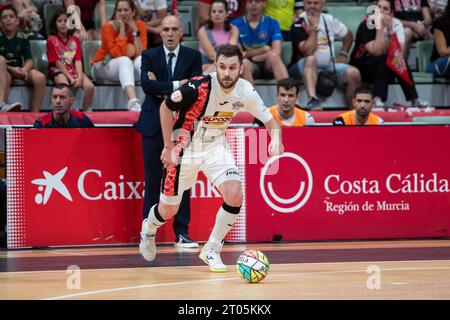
(195, 141)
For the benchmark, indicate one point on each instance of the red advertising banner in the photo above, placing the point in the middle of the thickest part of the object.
(85, 186)
(350, 183)
(71, 187)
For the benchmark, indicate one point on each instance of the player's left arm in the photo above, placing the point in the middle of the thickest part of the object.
(276, 144)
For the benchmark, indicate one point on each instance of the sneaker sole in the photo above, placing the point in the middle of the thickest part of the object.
(211, 268)
(186, 245)
(142, 249)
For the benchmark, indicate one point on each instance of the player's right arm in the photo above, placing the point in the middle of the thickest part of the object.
(166, 116)
(179, 101)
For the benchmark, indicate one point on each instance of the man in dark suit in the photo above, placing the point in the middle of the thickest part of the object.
(158, 80)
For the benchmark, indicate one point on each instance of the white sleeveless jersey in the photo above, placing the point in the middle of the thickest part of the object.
(204, 110)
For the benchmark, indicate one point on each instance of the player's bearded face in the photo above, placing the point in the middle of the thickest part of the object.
(228, 71)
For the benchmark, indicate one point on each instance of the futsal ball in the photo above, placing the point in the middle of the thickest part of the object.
(253, 266)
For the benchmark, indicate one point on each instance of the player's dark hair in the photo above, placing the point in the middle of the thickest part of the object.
(363, 90)
(391, 4)
(288, 83)
(229, 51)
(8, 7)
(64, 85)
(227, 25)
(53, 29)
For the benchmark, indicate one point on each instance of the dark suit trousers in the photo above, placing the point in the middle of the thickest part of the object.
(374, 70)
(152, 148)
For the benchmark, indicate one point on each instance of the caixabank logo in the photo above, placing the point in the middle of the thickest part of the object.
(89, 185)
(288, 173)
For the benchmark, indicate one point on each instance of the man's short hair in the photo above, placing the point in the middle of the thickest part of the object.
(288, 83)
(363, 90)
(62, 86)
(229, 51)
(8, 7)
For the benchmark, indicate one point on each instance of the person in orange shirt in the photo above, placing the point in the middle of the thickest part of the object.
(286, 112)
(361, 115)
(119, 57)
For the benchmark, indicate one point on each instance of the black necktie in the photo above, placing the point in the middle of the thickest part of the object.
(169, 66)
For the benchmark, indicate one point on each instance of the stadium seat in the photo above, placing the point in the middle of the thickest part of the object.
(189, 20)
(286, 52)
(109, 14)
(89, 48)
(39, 53)
(424, 49)
(350, 15)
(432, 120)
(49, 11)
(193, 44)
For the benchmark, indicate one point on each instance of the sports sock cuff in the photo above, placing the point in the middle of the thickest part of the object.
(230, 209)
(158, 216)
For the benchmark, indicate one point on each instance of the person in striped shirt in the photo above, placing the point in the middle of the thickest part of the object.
(361, 115)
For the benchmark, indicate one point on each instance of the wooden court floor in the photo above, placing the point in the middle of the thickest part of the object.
(403, 269)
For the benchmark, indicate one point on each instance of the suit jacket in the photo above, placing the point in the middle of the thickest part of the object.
(189, 64)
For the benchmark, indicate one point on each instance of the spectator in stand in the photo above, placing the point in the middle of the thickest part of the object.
(235, 10)
(215, 33)
(361, 115)
(440, 58)
(87, 8)
(416, 19)
(62, 116)
(30, 21)
(16, 61)
(164, 69)
(64, 58)
(287, 112)
(299, 7)
(283, 12)
(370, 54)
(260, 37)
(152, 13)
(119, 58)
(311, 51)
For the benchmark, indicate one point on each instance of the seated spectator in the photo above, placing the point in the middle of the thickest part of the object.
(362, 115)
(440, 58)
(261, 39)
(416, 19)
(119, 57)
(311, 51)
(30, 21)
(370, 54)
(152, 12)
(88, 29)
(16, 61)
(283, 12)
(286, 112)
(299, 7)
(62, 116)
(215, 33)
(64, 58)
(235, 10)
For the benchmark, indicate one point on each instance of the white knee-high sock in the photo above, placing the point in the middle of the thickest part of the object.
(153, 221)
(225, 219)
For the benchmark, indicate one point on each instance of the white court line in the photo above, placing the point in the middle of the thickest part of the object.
(202, 266)
(226, 279)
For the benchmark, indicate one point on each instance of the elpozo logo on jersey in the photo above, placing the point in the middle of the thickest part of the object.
(300, 175)
(219, 118)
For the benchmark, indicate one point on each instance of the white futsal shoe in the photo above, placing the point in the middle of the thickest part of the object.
(210, 254)
(147, 247)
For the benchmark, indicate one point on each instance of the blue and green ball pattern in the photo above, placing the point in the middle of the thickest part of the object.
(253, 265)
